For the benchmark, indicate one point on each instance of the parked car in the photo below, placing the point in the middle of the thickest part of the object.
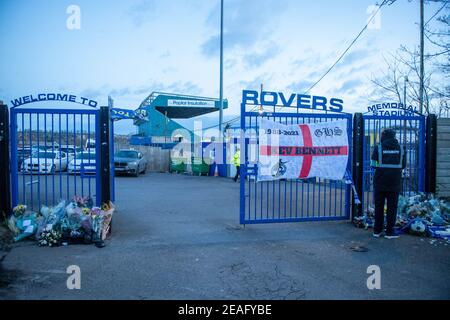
(129, 162)
(44, 146)
(70, 150)
(83, 159)
(46, 162)
(22, 154)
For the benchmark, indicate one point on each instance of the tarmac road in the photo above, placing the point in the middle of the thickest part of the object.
(178, 237)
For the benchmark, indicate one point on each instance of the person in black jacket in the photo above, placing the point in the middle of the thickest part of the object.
(389, 159)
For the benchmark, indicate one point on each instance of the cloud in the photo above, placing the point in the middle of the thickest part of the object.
(300, 86)
(165, 54)
(95, 93)
(230, 63)
(120, 92)
(169, 70)
(141, 92)
(350, 86)
(142, 11)
(313, 64)
(105, 91)
(255, 60)
(256, 82)
(245, 23)
(314, 59)
(353, 57)
(363, 67)
(181, 87)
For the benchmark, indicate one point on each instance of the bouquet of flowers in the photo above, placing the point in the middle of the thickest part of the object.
(51, 218)
(21, 223)
(19, 210)
(83, 202)
(97, 226)
(108, 210)
(50, 238)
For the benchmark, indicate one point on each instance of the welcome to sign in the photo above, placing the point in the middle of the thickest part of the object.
(40, 97)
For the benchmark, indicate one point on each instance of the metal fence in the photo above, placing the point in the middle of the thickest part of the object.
(288, 200)
(410, 132)
(45, 142)
(55, 154)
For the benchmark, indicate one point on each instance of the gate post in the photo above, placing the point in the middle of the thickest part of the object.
(358, 167)
(430, 154)
(105, 171)
(5, 182)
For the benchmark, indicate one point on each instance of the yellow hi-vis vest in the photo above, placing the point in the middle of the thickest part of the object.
(237, 158)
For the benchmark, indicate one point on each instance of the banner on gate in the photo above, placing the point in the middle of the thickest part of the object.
(118, 114)
(301, 151)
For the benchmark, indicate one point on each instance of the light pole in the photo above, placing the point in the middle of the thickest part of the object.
(221, 69)
(404, 92)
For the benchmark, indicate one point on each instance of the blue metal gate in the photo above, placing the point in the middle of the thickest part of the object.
(55, 154)
(410, 132)
(288, 200)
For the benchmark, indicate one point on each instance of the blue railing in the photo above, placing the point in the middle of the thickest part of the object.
(52, 141)
(289, 200)
(410, 132)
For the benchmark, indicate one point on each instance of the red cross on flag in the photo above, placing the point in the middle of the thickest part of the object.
(301, 151)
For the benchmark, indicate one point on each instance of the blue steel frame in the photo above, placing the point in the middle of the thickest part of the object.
(248, 171)
(412, 134)
(112, 151)
(15, 111)
(111, 160)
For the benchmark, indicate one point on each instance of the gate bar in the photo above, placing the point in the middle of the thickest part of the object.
(422, 151)
(5, 185)
(358, 168)
(430, 154)
(105, 155)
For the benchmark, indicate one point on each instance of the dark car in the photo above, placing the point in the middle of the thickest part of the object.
(129, 162)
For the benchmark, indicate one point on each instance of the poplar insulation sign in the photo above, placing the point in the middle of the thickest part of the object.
(302, 150)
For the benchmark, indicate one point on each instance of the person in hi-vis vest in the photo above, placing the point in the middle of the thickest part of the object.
(388, 159)
(237, 163)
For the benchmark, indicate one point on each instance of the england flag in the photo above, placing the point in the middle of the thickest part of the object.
(301, 151)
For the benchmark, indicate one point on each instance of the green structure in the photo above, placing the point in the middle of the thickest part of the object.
(160, 110)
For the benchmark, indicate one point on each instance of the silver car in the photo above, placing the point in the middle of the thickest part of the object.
(129, 162)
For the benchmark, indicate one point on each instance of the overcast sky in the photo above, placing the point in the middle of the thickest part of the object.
(128, 49)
